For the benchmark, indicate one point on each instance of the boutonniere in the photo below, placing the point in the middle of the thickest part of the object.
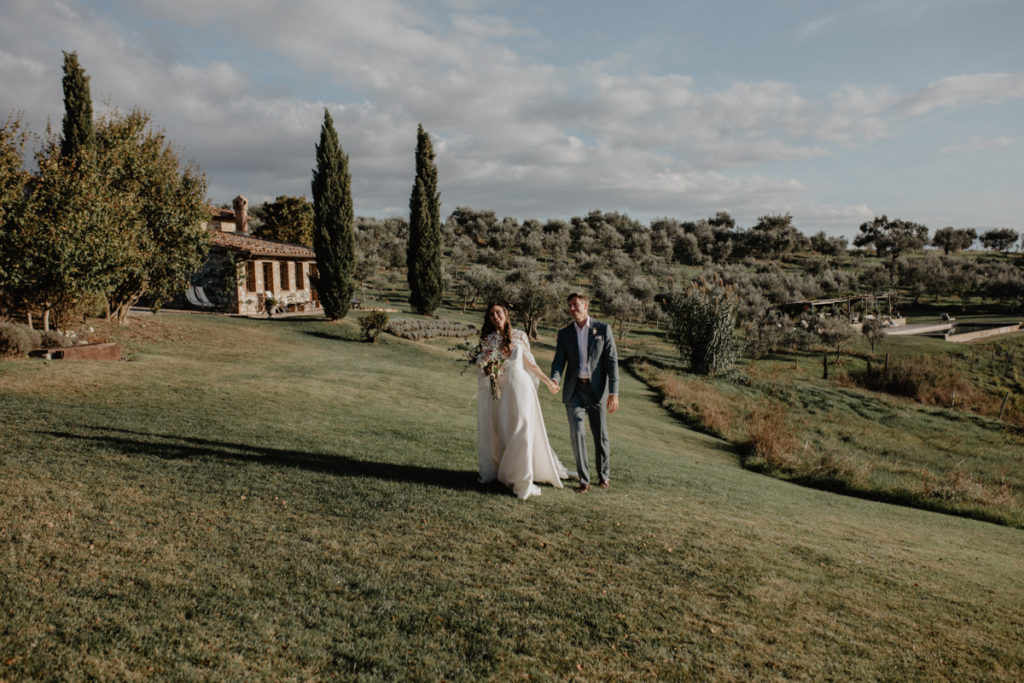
(593, 331)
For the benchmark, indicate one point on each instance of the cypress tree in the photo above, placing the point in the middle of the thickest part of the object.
(333, 236)
(424, 255)
(77, 126)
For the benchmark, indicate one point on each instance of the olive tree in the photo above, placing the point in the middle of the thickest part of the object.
(702, 324)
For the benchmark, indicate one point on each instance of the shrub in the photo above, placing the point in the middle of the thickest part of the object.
(373, 324)
(427, 329)
(766, 333)
(703, 320)
(17, 340)
(52, 339)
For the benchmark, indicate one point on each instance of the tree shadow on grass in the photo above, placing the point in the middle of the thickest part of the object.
(332, 336)
(177, 447)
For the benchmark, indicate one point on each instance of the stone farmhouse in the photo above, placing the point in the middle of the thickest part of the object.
(242, 272)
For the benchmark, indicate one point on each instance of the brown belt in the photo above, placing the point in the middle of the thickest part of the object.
(583, 380)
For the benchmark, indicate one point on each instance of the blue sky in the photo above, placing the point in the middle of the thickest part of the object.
(832, 111)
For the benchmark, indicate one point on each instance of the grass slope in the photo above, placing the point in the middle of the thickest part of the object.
(274, 499)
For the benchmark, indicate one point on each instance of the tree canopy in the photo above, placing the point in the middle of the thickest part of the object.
(999, 239)
(951, 239)
(424, 255)
(892, 238)
(286, 219)
(77, 128)
(109, 214)
(333, 237)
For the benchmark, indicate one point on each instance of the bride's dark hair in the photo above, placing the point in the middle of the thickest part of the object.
(506, 332)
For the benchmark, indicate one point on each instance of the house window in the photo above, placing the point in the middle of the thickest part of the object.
(284, 276)
(250, 276)
(268, 276)
(299, 284)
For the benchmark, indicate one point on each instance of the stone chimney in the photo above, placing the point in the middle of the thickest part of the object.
(241, 206)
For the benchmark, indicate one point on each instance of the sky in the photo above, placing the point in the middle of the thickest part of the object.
(834, 111)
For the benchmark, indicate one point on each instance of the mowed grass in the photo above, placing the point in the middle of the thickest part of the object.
(277, 500)
(951, 453)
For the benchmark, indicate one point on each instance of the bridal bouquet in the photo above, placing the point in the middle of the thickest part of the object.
(488, 357)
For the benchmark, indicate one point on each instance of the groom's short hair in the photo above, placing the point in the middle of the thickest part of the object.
(577, 295)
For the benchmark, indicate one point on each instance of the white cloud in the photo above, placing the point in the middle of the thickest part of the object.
(978, 144)
(963, 91)
(509, 131)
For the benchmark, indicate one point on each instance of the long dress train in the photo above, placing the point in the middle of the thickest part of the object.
(512, 442)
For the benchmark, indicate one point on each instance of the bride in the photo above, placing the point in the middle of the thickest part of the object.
(512, 442)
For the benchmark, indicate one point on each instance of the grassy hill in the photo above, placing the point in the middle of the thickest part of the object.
(276, 499)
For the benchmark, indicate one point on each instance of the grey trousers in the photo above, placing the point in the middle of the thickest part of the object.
(584, 406)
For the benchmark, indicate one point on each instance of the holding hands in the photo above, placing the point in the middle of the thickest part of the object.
(552, 385)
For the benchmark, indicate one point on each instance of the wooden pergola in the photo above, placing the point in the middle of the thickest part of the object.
(836, 306)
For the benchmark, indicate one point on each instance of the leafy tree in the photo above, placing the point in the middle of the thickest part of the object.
(773, 236)
(557, 239)
(62, 240)
(531, 238)
(874, 331)
(687, 250)
(835, 331)
(892, 238)
(165, 241)
(503, 237)
(286, 219)
(961, 278)
(914, 275)
(333, 238)
(721, 249)
(71, 235)
(999, 239)
(77, 126)
(951, 239)
(478, 282)
(722, 220)
(531, 296)
(616, 300)
(827, 246)
(423, 258)
(13, 180)
(1004, 282)
(766, 332)
(643, 288)
(120, 221)
(702, 325)
(664, 233)
(476, 225)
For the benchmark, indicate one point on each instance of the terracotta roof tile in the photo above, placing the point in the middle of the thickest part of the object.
(258, 247)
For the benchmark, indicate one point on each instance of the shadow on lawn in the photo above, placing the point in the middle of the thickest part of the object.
(175, 447)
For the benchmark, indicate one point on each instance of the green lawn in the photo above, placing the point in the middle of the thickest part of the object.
(276, 500)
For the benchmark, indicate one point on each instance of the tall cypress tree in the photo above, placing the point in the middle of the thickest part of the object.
(424, 255)
(78, 126)
(333, 236)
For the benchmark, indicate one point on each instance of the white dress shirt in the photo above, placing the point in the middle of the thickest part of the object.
(583, 343)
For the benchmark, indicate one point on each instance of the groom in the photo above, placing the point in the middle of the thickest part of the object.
(585, 352)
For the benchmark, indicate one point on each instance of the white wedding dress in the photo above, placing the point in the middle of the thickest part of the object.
(512, 442)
